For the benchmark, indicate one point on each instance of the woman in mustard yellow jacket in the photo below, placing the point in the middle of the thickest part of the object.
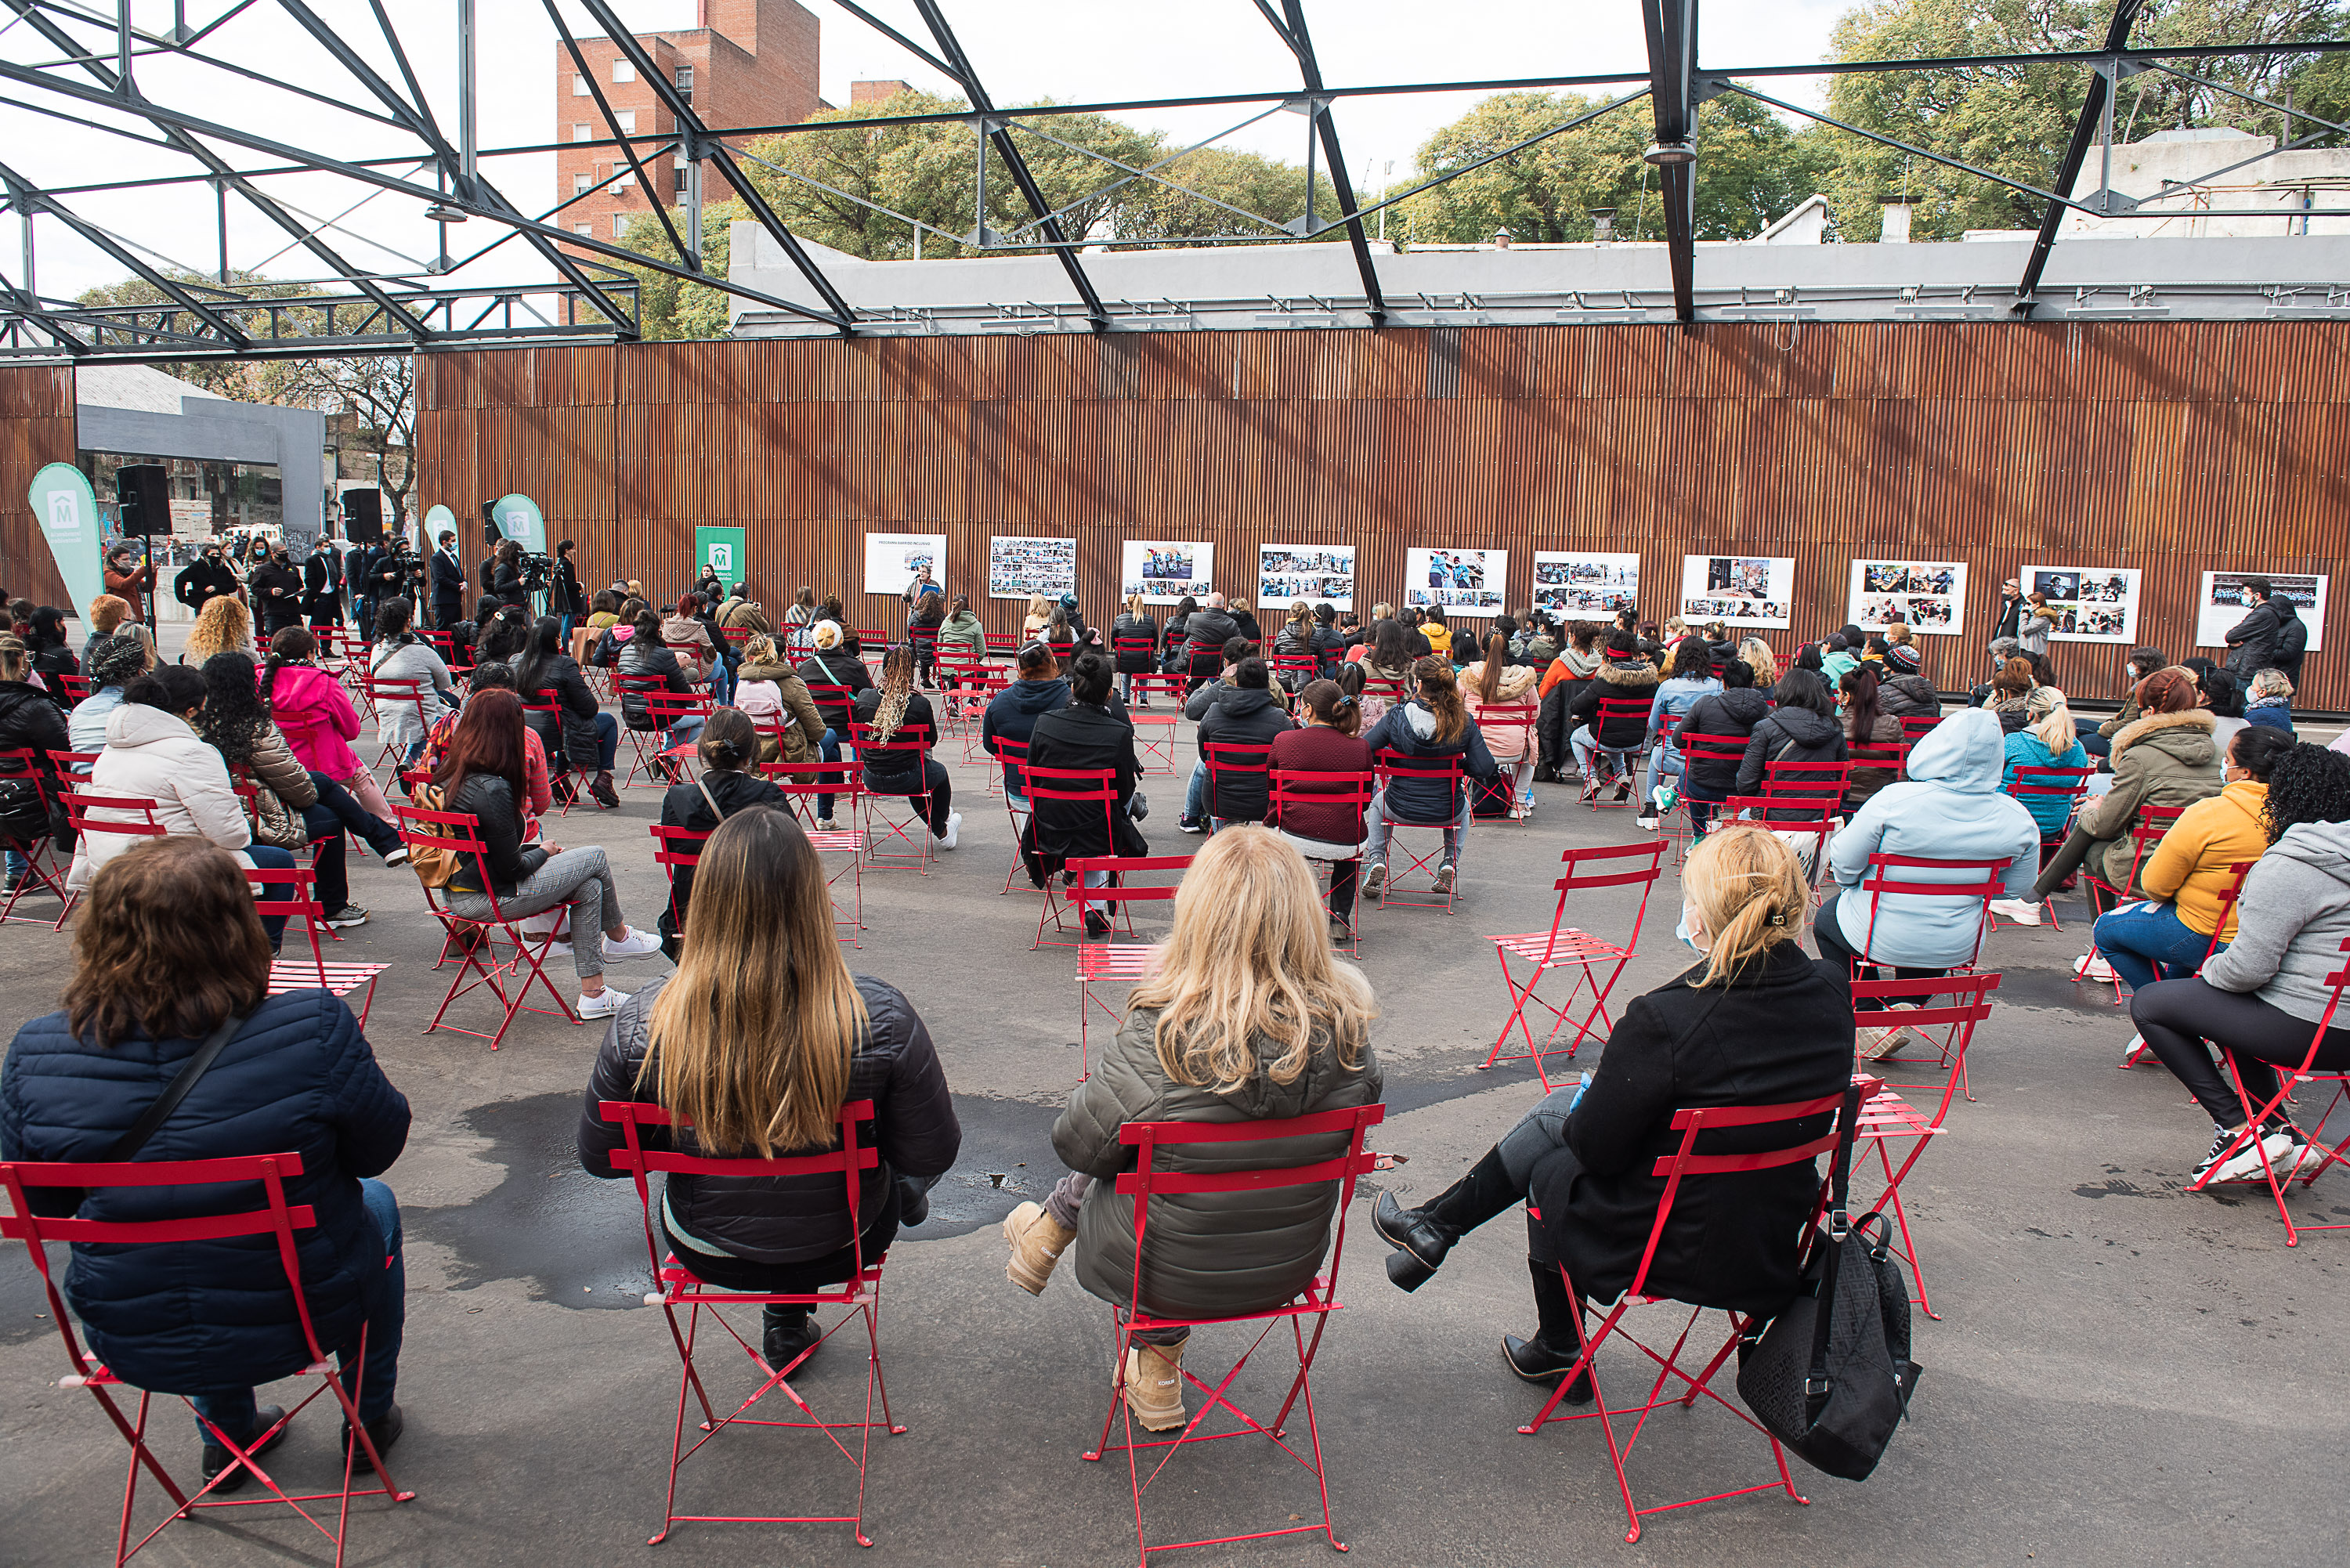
(2191, 867)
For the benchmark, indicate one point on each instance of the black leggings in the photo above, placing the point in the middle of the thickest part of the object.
(2183, 1018)
(1828, 936)
(2066, 861)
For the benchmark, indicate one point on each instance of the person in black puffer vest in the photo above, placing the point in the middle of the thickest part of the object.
(1625, 674)
(759, 946)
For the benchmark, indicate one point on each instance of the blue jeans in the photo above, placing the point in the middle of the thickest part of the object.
(608, 740)
(1195, 795)
(830, 747)
(1381, 825)
(683, 733)
(2136, 938)
(267, 859)
(722, 682)
(232, 1409)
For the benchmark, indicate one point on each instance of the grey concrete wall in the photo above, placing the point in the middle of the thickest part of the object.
(211, 429)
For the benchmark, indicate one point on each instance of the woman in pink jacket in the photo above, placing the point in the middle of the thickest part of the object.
(315, 716)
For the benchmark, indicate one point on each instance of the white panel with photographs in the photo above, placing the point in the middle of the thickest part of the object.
(1575, 586)
(893, 560)
(2093, 603)
(1464, 579)
(1318, 573)
(2221, 604)
(1018, 567)
(1927, 596)
(1738, 590)
(1164, 571)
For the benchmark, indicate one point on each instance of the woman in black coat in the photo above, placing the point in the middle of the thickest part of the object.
(583, 733)
(51, 655)
(1757, 1023)
(1134, 626)
(760, 947)
(1087, 735)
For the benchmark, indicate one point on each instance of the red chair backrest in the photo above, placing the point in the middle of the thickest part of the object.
(1080, 786)
(1134, 644)
(1885, 755)
(1894, 877)
(1323, 792)
(1607, 865)
(925, 639)
(910, 739)
(1507, 716)
(459, 833)
(76, 687)
(1693, 1122)
(1621, 715)
(1226, 759)
(1391, 766)
(24, 762)
(803, 781)
(74, 762)
(301, 903)
(1817, 781)
(81, 806)
(2069, 784)
(1121, 867)
(1705, 748)
(1915, 727)
(1957, 1001)
(1002, 642)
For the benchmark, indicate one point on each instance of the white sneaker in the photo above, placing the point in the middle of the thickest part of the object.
(824, 824)
(2285, 1148)
(955, 830)
(603, 1004)
(635, 945)
(2130, 1056)
(2021, 911)
(2092, 966)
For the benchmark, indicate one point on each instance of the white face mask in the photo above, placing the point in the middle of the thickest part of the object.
(1697, 941)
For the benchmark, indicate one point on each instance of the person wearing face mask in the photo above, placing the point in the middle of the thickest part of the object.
(1753, 1022)
(276, 589)
(205, 579)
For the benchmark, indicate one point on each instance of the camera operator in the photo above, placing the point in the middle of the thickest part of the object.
(448, 582)
(514, 576)
(565, 600)
(392, 574)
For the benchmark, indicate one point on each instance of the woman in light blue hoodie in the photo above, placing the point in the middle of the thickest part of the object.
(1950, 807)
(1691, 677)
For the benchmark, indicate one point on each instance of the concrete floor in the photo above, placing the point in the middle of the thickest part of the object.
(2125, 1372)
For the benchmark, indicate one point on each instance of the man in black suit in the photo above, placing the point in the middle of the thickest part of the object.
(276, 589)
(448, 582)
(322, 584)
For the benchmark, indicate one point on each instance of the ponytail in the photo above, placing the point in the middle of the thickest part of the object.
(1489, 678)
(293, 645)
(1749, 892)
(1441, 691)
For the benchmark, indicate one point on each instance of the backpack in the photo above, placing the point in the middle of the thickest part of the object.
(1490, 798)
(434, 865)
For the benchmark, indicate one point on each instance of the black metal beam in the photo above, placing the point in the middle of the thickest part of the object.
(636, 165)
(122, 93)
(1300, 44)
(24, 196)
(999, 137)
(699, 140)
(2076, 151)
(1672, 29)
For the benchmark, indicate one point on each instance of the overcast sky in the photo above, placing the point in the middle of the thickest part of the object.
(1070, 50)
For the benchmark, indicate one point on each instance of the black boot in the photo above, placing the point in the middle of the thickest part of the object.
(1422, 1236)
(789, 1333)
(218, 1459)
(1557, 1342)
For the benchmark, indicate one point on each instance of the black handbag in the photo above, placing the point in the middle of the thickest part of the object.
(1832, 1385)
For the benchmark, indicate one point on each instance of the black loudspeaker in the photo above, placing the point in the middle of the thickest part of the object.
(362, 515)
(491, 538)
(144, 490)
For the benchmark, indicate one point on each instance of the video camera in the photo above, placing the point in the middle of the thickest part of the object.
(538, 569)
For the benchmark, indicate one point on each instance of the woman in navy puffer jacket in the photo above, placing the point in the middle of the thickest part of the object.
(169, 948)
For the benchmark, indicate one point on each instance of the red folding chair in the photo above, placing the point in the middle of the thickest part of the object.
(222, 1180)
(2259, 1110)
(673, 847)
(2146, 831)
(476, 938)
(896, 827)
(385, 699)
(1389, 766)
(293, 895)
(1232, 764)
(925, 643)
(1678, 825)
(1002, 644)
(1568, 947)
(1683, 1164)
(89, 811)
(76, 689)
(1081, 787)
(1915, 727)
(1154, 727)
(1113, 963)
(676, 1288)
(2067, 785)
(1881, 757)
(565, 783)
(1901, 877)
(802, 783)
(1145, 648)
(1316, 792)
(1011, 755)
(1621, 714)
(1298, 667)
(2236, 871)
(1944, 1013)
(41, 870)
(1317, 1300)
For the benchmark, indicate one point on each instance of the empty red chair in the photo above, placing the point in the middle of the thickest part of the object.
(1568, 947)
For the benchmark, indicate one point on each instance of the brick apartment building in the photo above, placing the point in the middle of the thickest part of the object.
(749, 62)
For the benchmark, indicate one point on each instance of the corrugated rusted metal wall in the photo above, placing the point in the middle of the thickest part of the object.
(2177, 448)
(36, 428)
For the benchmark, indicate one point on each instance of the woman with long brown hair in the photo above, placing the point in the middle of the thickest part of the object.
(168, 953)
(1494, 681)
(758, 1039)
(1248, 1017)
(897, 712)
(1434, 723)
(482, 774)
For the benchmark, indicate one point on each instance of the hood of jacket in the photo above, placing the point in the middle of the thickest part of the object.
(135, 724)
(2177, 734)
(1038, 696)
(962, 620)
(1744, 704)
(777, 672)
(299, 685)
(1966, 752)
(2284, 610)
(1517, 683)
(1810, 730)
(1634, 672)
(2320, 845)
(1243, 702)
(1915, 693)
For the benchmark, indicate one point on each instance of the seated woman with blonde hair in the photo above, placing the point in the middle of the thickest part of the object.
(757, 1041)
(1755, 1022)
(1248, 1017)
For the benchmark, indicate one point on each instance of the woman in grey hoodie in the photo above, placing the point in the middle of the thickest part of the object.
(2261, 997)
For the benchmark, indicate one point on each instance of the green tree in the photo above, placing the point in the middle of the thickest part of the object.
(251, 381)
(1750, 169)
(2014, 121)
(671, 307)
